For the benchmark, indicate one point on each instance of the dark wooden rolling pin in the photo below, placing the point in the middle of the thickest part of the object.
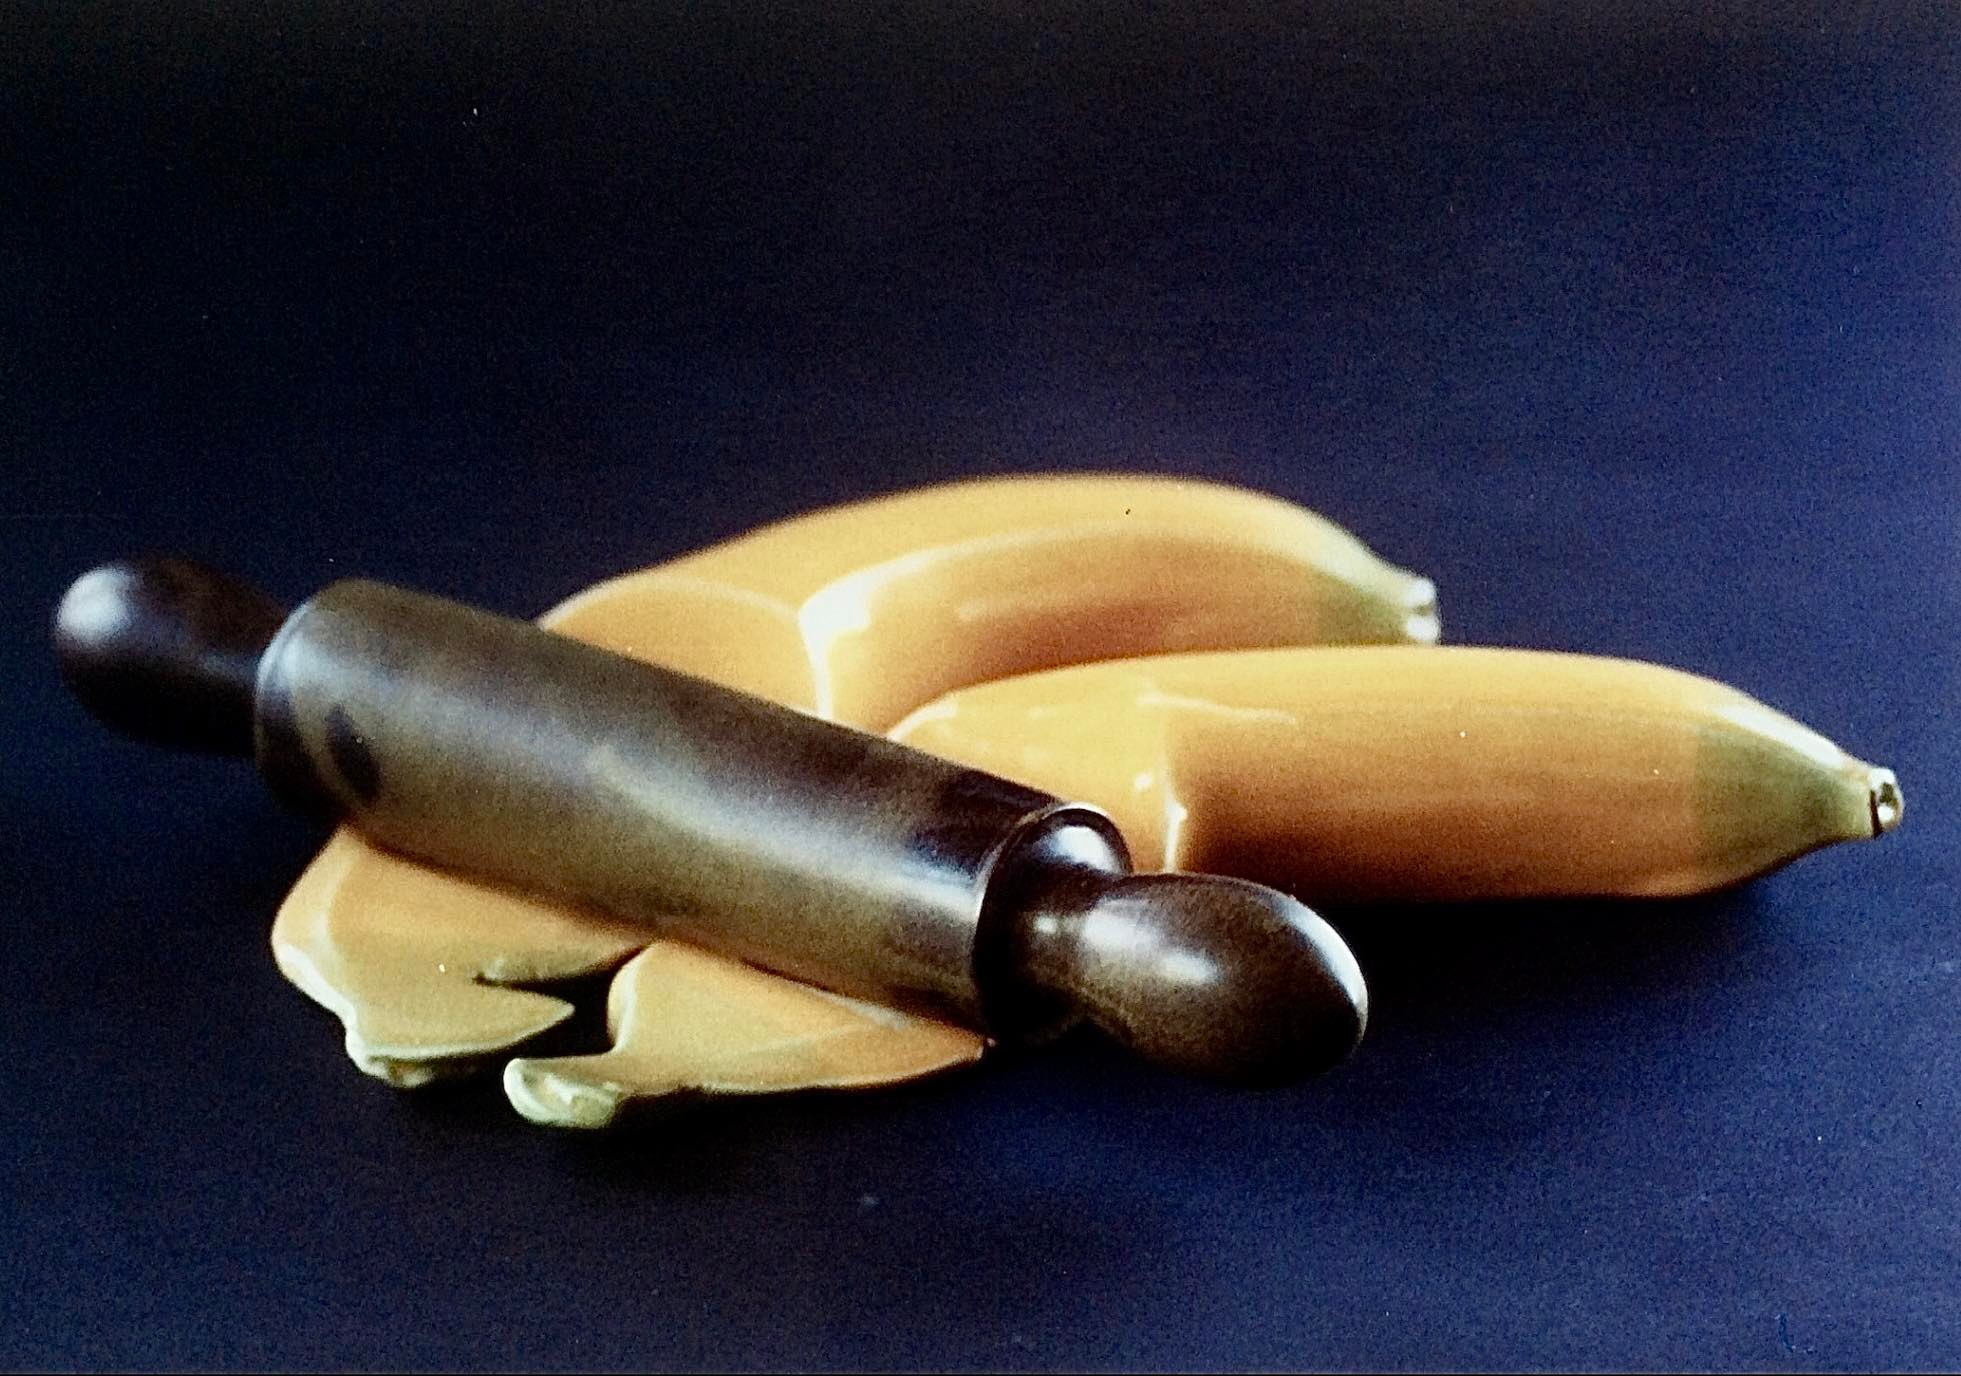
(487, 745)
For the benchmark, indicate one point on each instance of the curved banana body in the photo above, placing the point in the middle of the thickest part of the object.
(1358, 774)
(860, 613)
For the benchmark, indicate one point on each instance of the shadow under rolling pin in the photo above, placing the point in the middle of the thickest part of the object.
(487, 745)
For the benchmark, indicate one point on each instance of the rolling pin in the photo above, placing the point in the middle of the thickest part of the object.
(487, 745)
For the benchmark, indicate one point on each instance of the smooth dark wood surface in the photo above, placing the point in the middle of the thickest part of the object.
(1634, 327)
(166, 650)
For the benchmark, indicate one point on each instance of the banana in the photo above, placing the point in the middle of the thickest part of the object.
(860, 613)
(857, 613)
(422, 966)
(1375, 773)
(684, 1020)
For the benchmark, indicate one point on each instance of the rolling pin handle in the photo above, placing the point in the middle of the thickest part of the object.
(1216, 977)
(167, 651)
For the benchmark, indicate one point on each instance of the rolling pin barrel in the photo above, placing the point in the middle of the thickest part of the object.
(502, 749)
(494, 747)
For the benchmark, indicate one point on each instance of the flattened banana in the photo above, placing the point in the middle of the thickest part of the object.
(1359, 774)
(862, 612)
(687, 1021)
(420, 964)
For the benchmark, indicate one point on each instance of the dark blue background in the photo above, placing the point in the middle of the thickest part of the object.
(1640, 332)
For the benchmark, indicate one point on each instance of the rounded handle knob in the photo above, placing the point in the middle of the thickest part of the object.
(1218, 977)
(167, 651)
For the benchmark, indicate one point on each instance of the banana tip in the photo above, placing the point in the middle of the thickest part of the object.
(1420, 622)
(1888, 804)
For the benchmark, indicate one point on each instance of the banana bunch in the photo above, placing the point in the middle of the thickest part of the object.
(1243, 686)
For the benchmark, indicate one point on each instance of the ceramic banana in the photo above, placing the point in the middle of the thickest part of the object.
(861, 613)
(1357, 774)
(684, 1020)
(858, 613)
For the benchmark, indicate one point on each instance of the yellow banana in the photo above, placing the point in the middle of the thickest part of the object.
(1356, 774)
(684, 1020)
(862, 612)
(424, 968)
